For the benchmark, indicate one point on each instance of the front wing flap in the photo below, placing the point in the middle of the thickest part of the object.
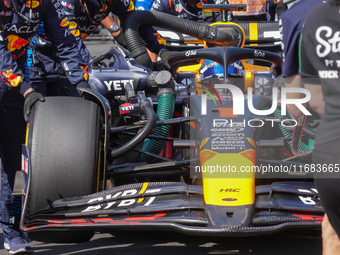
(178, 207)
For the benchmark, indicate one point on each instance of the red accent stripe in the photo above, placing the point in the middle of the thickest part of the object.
(102, 219)
(147, 218)
(316, 218)
(66, 220)
(117, 222)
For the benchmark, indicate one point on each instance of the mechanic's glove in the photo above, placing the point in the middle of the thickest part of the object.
(30, 99)
(120, 39)
(165, 55)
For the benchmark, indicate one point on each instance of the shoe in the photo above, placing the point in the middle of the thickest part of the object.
(16, 245)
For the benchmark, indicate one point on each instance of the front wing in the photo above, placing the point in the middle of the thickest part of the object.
(179, 207)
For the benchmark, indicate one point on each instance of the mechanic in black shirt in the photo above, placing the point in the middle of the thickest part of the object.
(320, 64)
(291, 24)
(19, 20)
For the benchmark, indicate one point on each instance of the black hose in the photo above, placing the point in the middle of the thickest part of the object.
(203, 31)
(147, 108)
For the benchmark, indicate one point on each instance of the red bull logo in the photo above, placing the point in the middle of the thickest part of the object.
(16, 43)
(13, 79)
(160, 39)
(64, 22)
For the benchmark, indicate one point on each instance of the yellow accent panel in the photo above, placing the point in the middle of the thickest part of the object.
(248, 81)
(216, 188)
(145, 185)
(249, 77)
(140, 200)
(192, 68)
(253, 32)
(27, 131)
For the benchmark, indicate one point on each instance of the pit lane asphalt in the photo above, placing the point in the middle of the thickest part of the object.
(166, 243)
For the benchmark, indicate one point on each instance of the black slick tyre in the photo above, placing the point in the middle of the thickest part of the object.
(64, 143)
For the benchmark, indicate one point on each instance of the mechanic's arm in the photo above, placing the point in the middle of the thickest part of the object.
(10, 73)
(57, 30)
(316, 102)
(115, 30)
(13, 76)
(309, 74)
(290, 34)
(72, 13)
(110, 25)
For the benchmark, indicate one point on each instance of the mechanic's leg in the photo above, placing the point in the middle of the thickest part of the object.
(328, 186)
(12, 135)
(330, 240)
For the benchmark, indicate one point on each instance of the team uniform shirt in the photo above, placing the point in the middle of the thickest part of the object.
(320, 64)
(183, 10)
(19, 21)
(84, 18)
(291, 23)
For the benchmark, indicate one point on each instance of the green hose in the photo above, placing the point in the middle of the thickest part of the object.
(165, 110)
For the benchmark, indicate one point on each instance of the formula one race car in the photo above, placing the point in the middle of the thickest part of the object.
(182, 150)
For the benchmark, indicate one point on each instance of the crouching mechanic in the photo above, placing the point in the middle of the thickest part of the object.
(83, 19)
(19, 20)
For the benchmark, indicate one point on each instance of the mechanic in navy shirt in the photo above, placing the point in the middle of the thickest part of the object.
(83, 19)
(291, 23)
(320, 68)
(19, 20)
